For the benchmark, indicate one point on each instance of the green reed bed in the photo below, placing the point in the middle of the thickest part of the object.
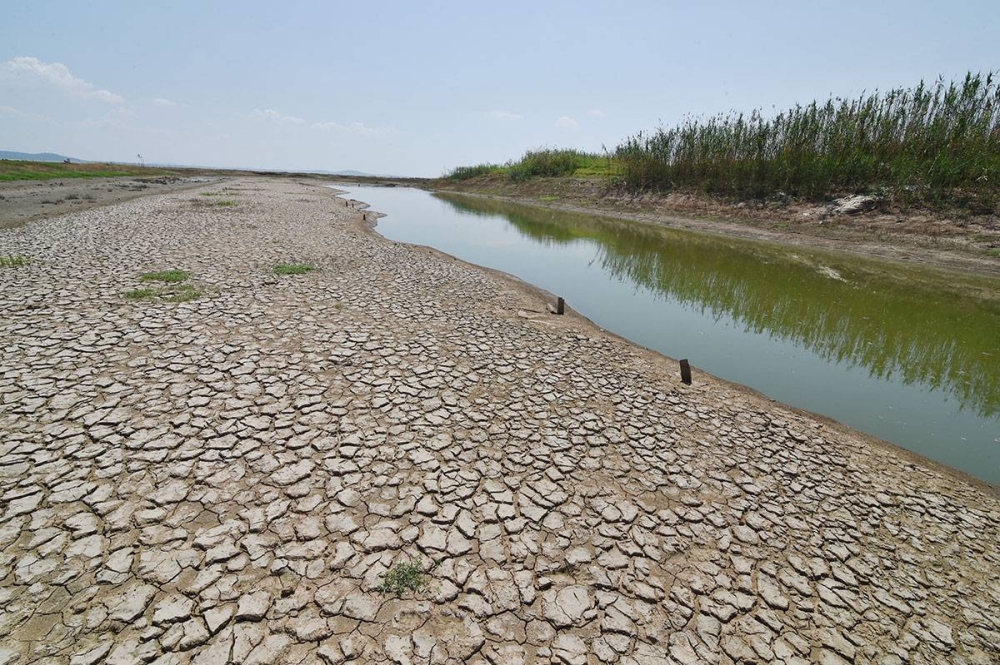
(937, 143)
(541, 163)
(469, 172)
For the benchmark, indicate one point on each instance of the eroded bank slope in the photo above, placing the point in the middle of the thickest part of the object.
(230, 479)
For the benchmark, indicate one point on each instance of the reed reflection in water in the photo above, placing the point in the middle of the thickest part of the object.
(845, 311)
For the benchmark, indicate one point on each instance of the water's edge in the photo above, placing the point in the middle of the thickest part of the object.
(370, 222)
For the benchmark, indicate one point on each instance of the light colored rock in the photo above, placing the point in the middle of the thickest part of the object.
(852, 205)
(570, 649)
(566, 606)
(253, 606)
(173, 608)
(131, 603)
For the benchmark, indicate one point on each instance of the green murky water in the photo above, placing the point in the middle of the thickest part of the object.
(910, 355)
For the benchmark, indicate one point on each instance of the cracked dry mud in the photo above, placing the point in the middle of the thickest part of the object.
(228, 480)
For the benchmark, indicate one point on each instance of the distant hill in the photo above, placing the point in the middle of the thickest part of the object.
(38, 157)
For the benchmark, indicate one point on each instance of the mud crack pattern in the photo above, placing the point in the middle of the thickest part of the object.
(230, 479)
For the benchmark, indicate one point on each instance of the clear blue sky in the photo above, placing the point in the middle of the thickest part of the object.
(415, 88)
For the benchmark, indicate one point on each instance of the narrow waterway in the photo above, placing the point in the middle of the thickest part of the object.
(909, 355)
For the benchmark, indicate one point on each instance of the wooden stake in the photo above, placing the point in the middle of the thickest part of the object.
(686, 372)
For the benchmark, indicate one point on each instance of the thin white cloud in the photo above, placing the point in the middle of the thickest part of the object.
(11, 112)
(358, 128)
(32, 71)
(118, 117)
(160, 101)
(566, 122)
(270, 115)
(596, 113)
(506, 115)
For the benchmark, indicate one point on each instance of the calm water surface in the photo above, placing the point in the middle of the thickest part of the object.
(911, 356)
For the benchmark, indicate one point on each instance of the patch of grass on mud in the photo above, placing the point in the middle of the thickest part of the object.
(293, 268)
(180, 293)
(14, 261)
(404, 577)
(140, 294)
(994, 253)
(183, 293)
(165, 276)
(206, 200)
(171, 290)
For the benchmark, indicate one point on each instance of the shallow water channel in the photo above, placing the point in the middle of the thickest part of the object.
(910, 355)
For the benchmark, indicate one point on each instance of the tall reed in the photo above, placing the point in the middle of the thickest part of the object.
(937, 143)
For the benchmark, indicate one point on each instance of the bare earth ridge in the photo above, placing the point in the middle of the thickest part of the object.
(228, 480)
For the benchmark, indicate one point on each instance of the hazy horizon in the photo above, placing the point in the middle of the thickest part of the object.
(389, 89)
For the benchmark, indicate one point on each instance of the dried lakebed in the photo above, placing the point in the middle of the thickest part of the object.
(231, 479)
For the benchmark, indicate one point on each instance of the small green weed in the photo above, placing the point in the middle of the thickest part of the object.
(172, 290)
(403, 577)
(994, 252)
(183, 293)
(225, 203)
(293, 268)
(140, 294)
(547, 198)
(165, 276)
(14, 261)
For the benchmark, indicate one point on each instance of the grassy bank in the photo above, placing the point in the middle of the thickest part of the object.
(549, 163)
(933, 145)
(22, 170)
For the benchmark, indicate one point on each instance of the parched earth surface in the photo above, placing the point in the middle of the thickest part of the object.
(22, 201)
(229, 479)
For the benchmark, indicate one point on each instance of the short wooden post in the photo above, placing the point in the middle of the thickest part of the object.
(560, 306)
(685, 372)
(364, 217)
